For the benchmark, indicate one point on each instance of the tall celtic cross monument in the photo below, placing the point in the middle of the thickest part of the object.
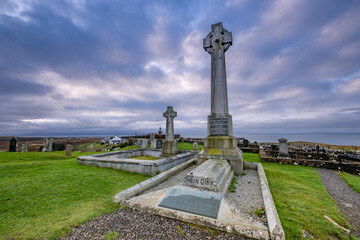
(220, 142)
(169, 145)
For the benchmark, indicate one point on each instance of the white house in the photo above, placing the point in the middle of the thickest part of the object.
(116, 140)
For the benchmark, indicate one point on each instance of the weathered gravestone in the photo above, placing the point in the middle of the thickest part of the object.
(169, 145)
(195, 146)
(158, 144)
(13, 144)
(246, 143)
(68, 150)
(91, 147)
(144, 143)
(24, 147)
(50, 146)
(283, 149)
(153, 144)
(220, 142)
(45, 144)
(152, 137)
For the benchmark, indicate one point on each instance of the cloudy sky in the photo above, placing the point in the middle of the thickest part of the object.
(77, 67)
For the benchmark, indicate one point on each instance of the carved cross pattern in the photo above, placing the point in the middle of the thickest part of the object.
(170, 113)
(218, 39)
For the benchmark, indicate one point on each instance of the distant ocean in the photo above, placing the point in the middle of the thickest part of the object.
(336, 139)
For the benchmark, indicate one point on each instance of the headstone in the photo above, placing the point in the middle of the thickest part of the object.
(138, 143)
(144, 143)
(50, 146)
(153, 144)
(152, 137)
(246, 143)
(158, 143)
(24, 147)
(283, 149)
(195, 146)
(13, 144)
(220, 142)
(45, 144)
(169, 145)
(91, 147)
(68, 150)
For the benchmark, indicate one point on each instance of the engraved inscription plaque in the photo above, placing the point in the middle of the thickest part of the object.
(199, 203)
(219, 127)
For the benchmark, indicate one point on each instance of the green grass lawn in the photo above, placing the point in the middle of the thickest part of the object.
(188, 146)
(352, 180)
(43, 195)
(301, 200)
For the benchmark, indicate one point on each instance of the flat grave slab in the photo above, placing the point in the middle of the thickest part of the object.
(200, 203)
(211, 175)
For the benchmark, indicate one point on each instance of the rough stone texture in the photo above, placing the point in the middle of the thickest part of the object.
(144, 143)
(283, 149)
(68, 150)
(153, 144)
(346, 198)
(216, 43)
(195, 146)
(13, 144)
(170, 114)
(132, 224)
(211, 175)
(24, 147)
(169, 148)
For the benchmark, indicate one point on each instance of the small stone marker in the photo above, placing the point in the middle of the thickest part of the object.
(201, 203)
(24, 147)
(50, 146)
(246, 143)
(158, 143)
(144, 143)
(195, 146)
(68, 150)
(152, 137)
(45, 144)
(153, 144)
(13, 144)
(283, 149)
(91, 147)
(169, 145)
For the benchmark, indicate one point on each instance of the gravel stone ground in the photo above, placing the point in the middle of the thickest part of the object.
(248, 195)
(132, 224)
(346, 198)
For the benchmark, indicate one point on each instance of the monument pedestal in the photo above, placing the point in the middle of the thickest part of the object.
(169, 148)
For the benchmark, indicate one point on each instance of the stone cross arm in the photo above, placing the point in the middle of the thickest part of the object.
(170, 113)
(218, 39)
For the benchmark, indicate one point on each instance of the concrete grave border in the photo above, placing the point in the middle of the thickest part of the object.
(121, 160)
(275, 230)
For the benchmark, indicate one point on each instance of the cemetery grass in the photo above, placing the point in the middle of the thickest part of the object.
(301, 200)
(188, 146)
(44, 195)
(352, 180)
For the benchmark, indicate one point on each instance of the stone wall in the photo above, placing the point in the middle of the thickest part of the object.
(353, 168)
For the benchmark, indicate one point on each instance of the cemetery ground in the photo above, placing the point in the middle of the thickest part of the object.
(46, 194)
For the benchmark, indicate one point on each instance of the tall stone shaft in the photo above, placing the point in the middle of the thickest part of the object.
(217, 42)
(170, 114)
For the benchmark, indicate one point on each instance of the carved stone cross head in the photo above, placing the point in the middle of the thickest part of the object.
(170, 113)
(218, 39)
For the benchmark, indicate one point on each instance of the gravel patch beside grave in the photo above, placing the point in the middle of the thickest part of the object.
(346, 198)
(132, 224)
(248, 194)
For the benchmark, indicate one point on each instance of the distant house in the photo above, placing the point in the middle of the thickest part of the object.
(105, 140)
(116, 140)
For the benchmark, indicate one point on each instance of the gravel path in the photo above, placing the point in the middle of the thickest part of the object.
(346, 198)
(132, 224)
